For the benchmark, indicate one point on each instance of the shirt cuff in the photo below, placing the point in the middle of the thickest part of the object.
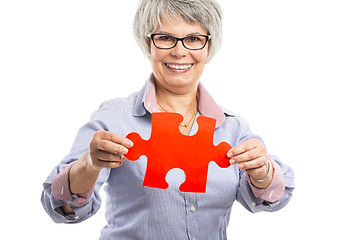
(275, 190)
(61, 188)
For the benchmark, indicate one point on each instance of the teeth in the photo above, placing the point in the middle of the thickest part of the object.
(178, 67)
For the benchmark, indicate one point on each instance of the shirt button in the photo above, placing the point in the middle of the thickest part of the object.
(77, 217)
(253, 204)
(192, 208)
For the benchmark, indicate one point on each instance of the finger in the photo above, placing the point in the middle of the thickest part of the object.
(246, 156)
(105, 164)
(258, 173)
(253, 164)
(109, 157)
(109, 146)
(116, 139)
(244, 147)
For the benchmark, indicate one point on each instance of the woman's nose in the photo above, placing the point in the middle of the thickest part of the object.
(179, 50)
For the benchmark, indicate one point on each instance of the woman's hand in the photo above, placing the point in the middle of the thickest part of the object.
(252, 157)
(107, 150)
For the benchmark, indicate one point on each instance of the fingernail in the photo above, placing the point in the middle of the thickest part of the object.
(241, 166)
(125, 151)
(129, 143)
(230, 154)
(232, 161)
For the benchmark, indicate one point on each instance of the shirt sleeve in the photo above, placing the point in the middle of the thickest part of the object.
(56, 191)
(258, 200)
(61, 188)
(278, 193)
(276, 188)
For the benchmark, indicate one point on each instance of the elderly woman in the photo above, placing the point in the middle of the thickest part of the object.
(179, 37)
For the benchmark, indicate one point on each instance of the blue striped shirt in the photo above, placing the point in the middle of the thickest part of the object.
(137, 212)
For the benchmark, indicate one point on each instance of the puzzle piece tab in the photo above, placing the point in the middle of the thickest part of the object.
(167, 148)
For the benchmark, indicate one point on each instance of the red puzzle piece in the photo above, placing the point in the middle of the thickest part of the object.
(167, 148)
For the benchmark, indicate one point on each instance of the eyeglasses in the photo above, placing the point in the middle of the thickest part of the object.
(191, 42)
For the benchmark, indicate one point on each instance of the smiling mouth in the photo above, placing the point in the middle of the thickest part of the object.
(179, 66)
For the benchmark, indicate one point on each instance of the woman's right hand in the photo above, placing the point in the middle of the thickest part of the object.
(107, 150)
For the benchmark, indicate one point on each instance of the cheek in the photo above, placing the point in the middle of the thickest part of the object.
(156, 55)
(200, 56)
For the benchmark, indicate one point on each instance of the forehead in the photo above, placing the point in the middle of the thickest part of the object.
(179, 27)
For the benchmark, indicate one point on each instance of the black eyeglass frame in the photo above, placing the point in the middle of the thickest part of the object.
(207, 37)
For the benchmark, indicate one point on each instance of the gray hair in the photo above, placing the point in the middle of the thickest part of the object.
(206, 13)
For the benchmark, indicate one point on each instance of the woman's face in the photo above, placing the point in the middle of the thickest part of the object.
(165, 62)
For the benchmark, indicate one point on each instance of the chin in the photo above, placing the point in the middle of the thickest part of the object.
(178, 84)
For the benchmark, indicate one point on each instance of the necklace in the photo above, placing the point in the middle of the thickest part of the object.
(181, 125)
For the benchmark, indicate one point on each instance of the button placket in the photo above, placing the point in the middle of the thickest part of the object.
(191, 206)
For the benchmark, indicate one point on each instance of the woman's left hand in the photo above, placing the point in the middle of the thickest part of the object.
(252, 157)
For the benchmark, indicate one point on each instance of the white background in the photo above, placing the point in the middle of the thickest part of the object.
(291, 68)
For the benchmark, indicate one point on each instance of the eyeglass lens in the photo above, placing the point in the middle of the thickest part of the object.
(191, 42)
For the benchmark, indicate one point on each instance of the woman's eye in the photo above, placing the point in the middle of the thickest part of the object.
(193, 39)
(165, 38)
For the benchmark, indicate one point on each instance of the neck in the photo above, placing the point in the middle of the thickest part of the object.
(185, 104)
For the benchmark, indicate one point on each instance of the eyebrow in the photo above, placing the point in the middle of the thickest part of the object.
(190, 34)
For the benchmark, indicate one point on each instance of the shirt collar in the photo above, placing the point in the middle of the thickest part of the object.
(146, 101)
